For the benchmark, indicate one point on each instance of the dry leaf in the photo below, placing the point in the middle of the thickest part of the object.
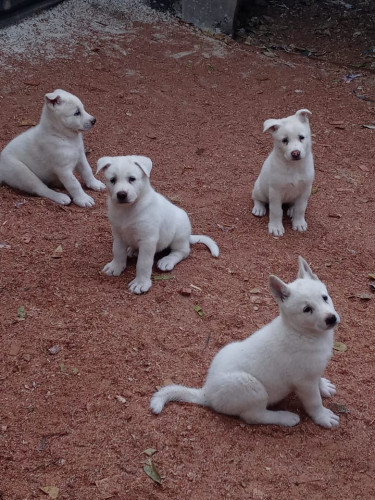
(339, 346)
(51, 491)
(152, 472)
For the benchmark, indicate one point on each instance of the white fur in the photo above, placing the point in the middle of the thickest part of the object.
(287, 174)
(47, 154)
(144, 221)
(288, 355)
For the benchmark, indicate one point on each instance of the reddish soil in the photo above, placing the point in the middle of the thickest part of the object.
(199, 116)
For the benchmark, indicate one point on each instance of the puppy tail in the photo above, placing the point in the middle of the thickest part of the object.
(176, 393)
(206, 240)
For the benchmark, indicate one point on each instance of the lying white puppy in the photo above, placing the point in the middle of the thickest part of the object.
(47, 154)
(287, 174)
(288, 355)
(144, 221)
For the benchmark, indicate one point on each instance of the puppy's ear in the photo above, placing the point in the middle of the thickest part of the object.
(303, 115)
(279, 289)
(271, 125)
(104, 162)
(304, 270)
(143, 163)
(53, 98)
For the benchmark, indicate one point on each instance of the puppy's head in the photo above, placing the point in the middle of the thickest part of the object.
(126, 177)
(292, 136)
(305, 304)
(67, 111)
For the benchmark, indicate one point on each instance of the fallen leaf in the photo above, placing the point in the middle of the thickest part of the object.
(255, 290)
(340, 408)
(339, 346)
(150, 135)
(21, 313)
(25, 122)
(51, 491)
(150, 451)
(152, 472)
(57, 252)
(371, 127)
(371, 276)
(314, 189)
(364, 296)
(198, 310)
(185, 292)
(120, 399)
(4, 245)
(162, 277)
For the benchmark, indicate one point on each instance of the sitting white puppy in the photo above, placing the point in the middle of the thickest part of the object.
(47, 154)
(287, 174)
(144, 221)
(288, 355)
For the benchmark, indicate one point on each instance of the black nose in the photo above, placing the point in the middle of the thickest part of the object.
(295, 154)
(331, 320)
(93, 121)
(122, 196)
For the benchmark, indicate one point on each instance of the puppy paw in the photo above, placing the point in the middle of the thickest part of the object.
(259, 209)
(299, 225)
(166, 264)
(96, 185)
(113, 268)
(326, 388)
(290, 211)
(131, 252)
(276, 229)
(61, 199)
(326, 418)
(139, 286)
(84, 200)
(287, 418)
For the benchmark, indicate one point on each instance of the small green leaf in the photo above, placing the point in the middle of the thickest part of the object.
(162, 277)
(152, 472)
(21, 312)
(150, 451)
(62, 367)
(198, 310)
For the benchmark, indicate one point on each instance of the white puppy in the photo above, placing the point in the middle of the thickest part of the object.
(288, 355)
(287, 174)
(144, 221)
(47, 154)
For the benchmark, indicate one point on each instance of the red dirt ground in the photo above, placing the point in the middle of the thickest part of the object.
(199, 117)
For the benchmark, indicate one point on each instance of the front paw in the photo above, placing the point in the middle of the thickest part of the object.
(326, 388)
(113, 268)
(84, 200)
(166, 263)
(61, 199)
(326, 418)
(299, 225)
(276, 229)
(139, 286)
(96, 185)
(259, 209)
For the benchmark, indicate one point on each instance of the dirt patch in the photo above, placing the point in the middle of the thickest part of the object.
(195, 104)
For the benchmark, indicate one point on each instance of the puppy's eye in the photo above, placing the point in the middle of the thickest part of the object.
(301, 137)
(307, 309)
(77, 113)
(132, 179)
(285, 140)
(325, 298)
(112, 180)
